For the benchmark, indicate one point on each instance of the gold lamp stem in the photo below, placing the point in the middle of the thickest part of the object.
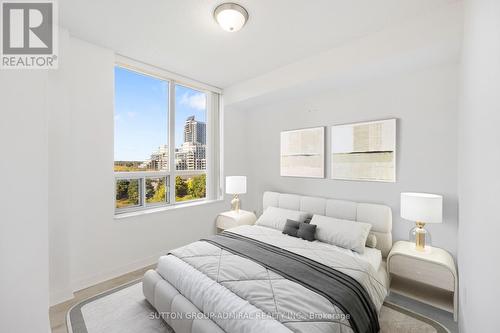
(420, 236)
(235, 203)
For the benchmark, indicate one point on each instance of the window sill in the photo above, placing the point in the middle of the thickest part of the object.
(165, 208)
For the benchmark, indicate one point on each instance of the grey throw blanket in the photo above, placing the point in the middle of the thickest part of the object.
(340, 289)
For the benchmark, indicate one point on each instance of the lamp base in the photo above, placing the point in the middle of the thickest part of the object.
(421, 237)
(235, 203)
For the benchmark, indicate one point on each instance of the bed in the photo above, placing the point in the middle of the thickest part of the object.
(246, 280)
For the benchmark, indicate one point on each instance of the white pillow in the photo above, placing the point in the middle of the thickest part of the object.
(344, 233)
(275, 218)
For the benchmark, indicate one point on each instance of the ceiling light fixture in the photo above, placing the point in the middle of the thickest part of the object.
(230, 16)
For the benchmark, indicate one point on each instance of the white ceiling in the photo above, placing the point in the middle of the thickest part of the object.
(181, 35)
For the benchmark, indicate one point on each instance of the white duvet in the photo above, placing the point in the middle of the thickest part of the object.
(242, 296)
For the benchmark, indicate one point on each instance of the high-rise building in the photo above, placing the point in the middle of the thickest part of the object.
(191, 155)
(195, 131)
(158, 161)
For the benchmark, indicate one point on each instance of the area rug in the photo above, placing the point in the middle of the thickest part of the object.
(125, 310)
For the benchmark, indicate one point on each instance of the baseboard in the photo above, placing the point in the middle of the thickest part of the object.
(116, 272)
(61, 296)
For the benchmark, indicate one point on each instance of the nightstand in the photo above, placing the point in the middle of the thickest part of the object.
(233, 219)
(430, 278)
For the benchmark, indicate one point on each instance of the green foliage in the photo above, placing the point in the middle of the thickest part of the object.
(150, 189)
(155, 190)
(127, 166)
(127, 192)
(121, 189)
(184, 198)
(133, 191)
(190, 189)
(197, 186)
(160, 194)
(181, 188)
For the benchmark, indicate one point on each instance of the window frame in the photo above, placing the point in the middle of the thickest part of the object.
(214, 154)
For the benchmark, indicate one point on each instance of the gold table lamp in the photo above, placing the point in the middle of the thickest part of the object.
(421, 208)
(236, 185)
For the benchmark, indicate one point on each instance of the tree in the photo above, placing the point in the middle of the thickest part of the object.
(122, 189)
(133, 191)
(197, 187)
(150, 189)
(181, 188)
(155, 190)
(159, 194)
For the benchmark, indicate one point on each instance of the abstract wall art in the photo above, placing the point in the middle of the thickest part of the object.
(364, 151)
(303, 153)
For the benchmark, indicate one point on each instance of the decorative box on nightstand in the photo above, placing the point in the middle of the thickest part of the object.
(233, 219)
(430, 278)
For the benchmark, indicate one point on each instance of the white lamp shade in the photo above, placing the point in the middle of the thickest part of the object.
(236, 184)
(422, 207)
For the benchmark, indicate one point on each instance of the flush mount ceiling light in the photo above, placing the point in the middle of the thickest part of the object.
(230, 16)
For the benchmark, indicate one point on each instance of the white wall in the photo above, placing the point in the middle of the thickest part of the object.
(60, 175)
(23, 202)
(425, 102)
(479, 160)
(88, 245)
(408, 71)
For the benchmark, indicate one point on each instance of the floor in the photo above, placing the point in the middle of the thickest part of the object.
(58, 312)
(441, 316)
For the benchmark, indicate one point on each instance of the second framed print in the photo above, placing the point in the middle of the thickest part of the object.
(364, 151)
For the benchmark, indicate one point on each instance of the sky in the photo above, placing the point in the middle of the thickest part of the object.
(141, 113)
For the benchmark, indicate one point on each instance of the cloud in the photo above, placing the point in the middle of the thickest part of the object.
(131, 114)
(117, 117)
(197, 101)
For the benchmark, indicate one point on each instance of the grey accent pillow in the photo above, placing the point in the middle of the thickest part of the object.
(291, 228)
(371, 241)
(306, 231)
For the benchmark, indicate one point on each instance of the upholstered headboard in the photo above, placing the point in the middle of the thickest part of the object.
(379, 216)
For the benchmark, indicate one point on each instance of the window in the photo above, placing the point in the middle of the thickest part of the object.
(127, 193)
(190, 144)
(166, 137)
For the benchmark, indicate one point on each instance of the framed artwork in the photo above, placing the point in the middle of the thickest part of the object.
(303, 153)
(364, 151)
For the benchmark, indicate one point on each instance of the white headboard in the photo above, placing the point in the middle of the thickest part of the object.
(379, 216)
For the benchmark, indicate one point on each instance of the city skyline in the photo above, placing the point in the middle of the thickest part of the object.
(191, 155)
